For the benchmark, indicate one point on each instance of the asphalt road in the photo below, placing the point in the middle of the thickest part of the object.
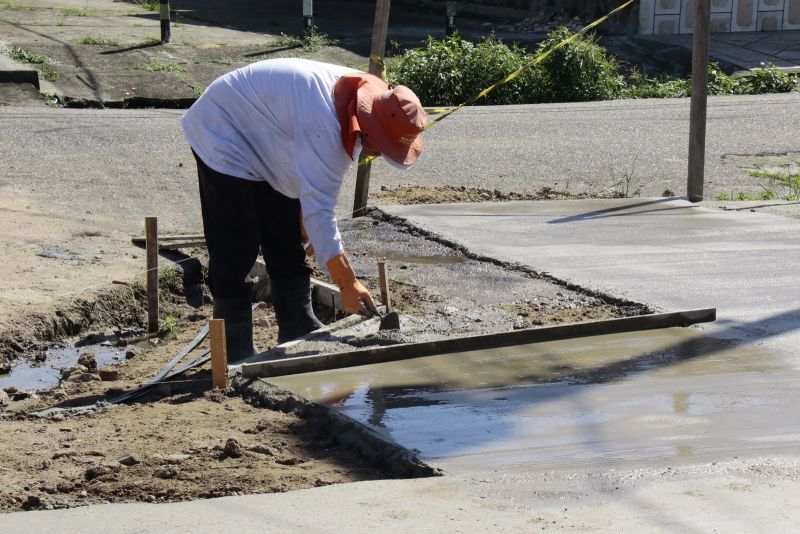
(128, 163)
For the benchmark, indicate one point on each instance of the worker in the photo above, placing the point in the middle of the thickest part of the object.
(273, 141)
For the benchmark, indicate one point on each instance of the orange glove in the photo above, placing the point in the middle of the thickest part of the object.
(355, 296)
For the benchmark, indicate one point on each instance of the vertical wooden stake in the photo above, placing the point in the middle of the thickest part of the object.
(219, 354)
(151, 246)
(698, 106)
(379, 30)
(386, 296)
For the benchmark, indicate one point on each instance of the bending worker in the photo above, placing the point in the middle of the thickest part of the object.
(273, 141)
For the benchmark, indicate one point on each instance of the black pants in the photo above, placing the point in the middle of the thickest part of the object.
(238, 216)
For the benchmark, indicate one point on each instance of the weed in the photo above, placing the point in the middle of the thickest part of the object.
(168, 326)
(26, 56)
(158, 66)
(91, 40)
(52, 100)
(49, 73)
(313, 41)
(73, 12)
(787, 181)
(767, 79)
(148, 5)
(626, 184)
(199, 89)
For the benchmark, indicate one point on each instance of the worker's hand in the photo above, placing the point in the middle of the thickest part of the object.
(355, 296)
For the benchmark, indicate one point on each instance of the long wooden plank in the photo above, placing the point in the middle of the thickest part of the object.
(405, 351)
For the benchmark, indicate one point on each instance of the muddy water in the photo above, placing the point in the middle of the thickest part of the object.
(30, 376)
(658, 395)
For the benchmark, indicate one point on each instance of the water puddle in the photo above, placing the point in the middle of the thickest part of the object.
(38, 376)
(661, 394)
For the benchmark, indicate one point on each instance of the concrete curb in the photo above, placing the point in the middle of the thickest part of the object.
(378, 450)
(15, 72)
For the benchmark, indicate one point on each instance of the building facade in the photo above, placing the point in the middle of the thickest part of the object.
(663, 17)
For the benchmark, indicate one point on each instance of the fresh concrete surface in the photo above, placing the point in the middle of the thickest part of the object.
(668, 253)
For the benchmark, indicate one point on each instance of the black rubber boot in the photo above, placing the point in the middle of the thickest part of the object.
(291, 299)
(238, 317)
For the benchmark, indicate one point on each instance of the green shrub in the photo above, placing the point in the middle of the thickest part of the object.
(579, 71)
(450, 71)
(639, 86)
(719, 83)
(768, 79)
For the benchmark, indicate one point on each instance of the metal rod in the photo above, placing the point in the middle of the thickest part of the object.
(219, 354)
(308, 16)
(406, 351)
(698, 107)
(452, 7)
(151, 246)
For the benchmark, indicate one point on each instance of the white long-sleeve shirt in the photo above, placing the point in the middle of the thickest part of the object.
(275, 120)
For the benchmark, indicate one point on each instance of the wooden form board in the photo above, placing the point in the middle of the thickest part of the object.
(405, 351)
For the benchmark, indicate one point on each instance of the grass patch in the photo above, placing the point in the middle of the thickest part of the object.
(782, 184)
(91, 40)
(158, 66)
(26, 56)
(49, 73)
(74, 12)
(311, 42)
(148, 5)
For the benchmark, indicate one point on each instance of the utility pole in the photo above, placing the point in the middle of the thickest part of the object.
(308, 16)
(379, 30)
(699, 103)
(164, 16)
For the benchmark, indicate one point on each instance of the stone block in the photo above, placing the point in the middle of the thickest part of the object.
(791, 15)
(721, 6)
(720, 22)
(666, 24)
(770, 5)
(744, 15)
(668, 7)
(687, 16)
(769, 21)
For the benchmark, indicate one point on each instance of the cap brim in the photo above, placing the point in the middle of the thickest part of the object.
(404, 154)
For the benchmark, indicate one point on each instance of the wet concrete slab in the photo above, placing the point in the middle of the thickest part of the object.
(717, 391)
(674, 394)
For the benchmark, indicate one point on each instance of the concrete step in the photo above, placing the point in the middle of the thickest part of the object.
(15, 72)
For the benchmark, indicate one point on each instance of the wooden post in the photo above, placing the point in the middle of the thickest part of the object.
(219, 354)
(697, 112)
(378, 49)
(383, 277)
(164, 16)
(308, 16)
(151, 247)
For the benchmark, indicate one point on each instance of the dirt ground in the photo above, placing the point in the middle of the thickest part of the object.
(181, 442)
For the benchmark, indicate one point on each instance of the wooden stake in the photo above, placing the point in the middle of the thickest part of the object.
(383, 276)
(219, 354)
(151, 245)
(698, 106)
(164, 16)
(379, 30)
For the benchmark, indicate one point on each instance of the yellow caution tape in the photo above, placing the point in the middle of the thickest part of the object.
(445, 112)
(535, 61)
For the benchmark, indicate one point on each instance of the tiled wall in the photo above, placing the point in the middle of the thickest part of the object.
(675, 16)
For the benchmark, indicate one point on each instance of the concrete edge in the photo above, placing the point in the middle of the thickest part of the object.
(403, 223)
(376, 449)
(15, 72)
